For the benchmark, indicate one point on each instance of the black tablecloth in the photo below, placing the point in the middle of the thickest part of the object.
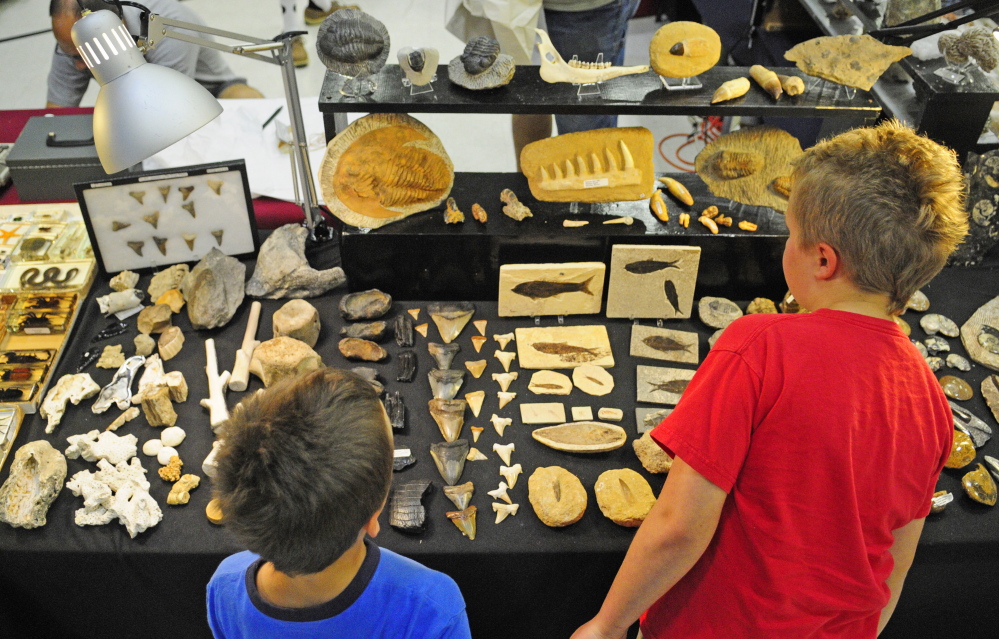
(519, 578)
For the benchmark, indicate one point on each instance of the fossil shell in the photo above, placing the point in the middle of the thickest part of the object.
(956, 361)
(365, 305)
(382, 168)
(352, 43)
(918, 302)
(936, 344)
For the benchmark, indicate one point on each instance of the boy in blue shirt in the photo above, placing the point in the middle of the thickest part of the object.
(302, 477)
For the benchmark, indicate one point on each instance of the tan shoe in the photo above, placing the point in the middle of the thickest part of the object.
(314, 15)
(298, 52)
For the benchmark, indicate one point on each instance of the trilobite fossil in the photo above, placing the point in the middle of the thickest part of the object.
(479, 54)
(352, 43)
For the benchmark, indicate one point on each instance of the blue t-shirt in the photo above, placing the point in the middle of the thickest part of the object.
(391, 596)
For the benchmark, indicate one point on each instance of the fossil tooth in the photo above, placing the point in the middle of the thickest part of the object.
(396, 410)
(445, 383)
(443, 354)
(505, 398)
(117, 226)
(626, 220)
(980, 486)
(189, 207)
(505, 379)
(500, 493)
(474, 454)
(480, 325)
(475, 399)
(406, 511)
(153, 219)
(475, 367)
(477, 342)
(450, 459)
(218, 236)
(450, 417)
(504, 451)
(186, 191)
(138, 195)
(505, 357)
(189, 239)
(476, 431)
(500, 423)
(403, 327)
(966, 422)
(165, 192)
(504, 510)
(464, 520)
(511, 473)
(161, 243)
(460, 495)
(611, 162)
(421, 329)
(216, 185)
(415, 312)
(450, 318)
(406, 361)
(137, 247)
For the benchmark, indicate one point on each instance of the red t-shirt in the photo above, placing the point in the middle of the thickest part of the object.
(828, 431)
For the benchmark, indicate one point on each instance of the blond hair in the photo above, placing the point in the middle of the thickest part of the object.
(889, 200)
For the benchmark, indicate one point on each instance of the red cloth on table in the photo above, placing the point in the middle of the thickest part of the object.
(828, 431)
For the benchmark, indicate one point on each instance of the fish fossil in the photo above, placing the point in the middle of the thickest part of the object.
(676, 386)
(450, 459)
(542, 289)
(644, 267)
(669, 289)
(567, 352)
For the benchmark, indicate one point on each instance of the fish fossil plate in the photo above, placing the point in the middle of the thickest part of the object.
(551, 289)
(582, 437)
(652, 281)
(663, 343)
(658, 385)
(980, 335)
(648, 418)
(563, 347)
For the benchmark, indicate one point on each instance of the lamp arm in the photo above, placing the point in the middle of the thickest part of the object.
(159, 29)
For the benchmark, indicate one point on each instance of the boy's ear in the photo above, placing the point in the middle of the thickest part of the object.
(372, 528)
(828, 261)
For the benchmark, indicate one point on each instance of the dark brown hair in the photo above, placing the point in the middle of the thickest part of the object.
(303, 466)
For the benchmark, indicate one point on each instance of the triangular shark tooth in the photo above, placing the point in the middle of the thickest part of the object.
(189, 207)
(505, 379)
(464, 520)
(511, 473)
(480, 325)
(475, 367)
(421, 329)
(161, 243)
(474, 454)
(138, 195)
(189, 238)
(476, 431)
(505, 357)
(500, 493)
(153, 219)
(136, 246)
(504, 451)
(415, 312)
(475, 399)
(218, 236)
(450, 459)
(449, 415)
(186, 190)
(503, 339)
(500, 423)
(216, 185)
(165, 192)
(477, 342)
(450, 318)
(443, 354)
(505, 398)
(117, 226)
(504, 510)
(445, 384)
(460, 495)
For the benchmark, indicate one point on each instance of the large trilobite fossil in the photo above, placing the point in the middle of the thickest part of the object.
(352, 43)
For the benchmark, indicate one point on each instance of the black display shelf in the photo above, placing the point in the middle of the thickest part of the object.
(638, 94)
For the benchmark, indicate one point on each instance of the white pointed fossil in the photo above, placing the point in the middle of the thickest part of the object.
(504, 510)
(480, 325)
(611, 162)
(500, 423)
(476, 431)
(504, 451)
(474, 454)
(505, 357)
(503, 339)
(511, 473)
(475, 399)
(570, 171)
(505, 379)
(556, 69)
(500, 493)
(505, 398)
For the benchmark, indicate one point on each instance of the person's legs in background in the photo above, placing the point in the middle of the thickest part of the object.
(317, 10)
(292, 21)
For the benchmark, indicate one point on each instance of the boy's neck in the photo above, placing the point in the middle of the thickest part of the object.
(848, 298)
(304, 591)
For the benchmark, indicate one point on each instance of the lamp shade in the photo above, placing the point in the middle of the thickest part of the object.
(142, 108)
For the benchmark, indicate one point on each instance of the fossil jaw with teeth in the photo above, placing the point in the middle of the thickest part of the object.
(576, 172)
(555, 69)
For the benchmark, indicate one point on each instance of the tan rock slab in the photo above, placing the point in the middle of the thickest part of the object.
(654, 459)
(550, 383)
(652, 281)
(557, 496)
(981, 343)
(658, 385)
(172, 298)
(532, 290)
(36, 477)
(592, 380)
(283, 357)
(610, 414)
(582, 437)
(542, 413)
(664, 344)
(624, 497)
(852, 60)
(990, 391)
(297, 319)
(154, 319)
(581, 413)
(563, 347)
(684, 49)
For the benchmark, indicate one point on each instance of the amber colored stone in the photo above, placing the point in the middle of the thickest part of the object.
(956, 388)
(980, 486)
(902, 324)
(353, 348)
(962, 451)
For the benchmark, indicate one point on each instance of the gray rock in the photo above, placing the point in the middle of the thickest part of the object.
(36, 477)
(214, 290)
(282, 270)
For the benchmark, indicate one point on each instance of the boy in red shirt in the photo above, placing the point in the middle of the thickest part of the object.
(807, 447)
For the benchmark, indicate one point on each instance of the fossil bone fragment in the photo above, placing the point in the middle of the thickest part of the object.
(505, 398)
(180, 494)
(505, 379)
(627, 220)
(505, 358)
(126, 416)
(505, 451)
(36, 478)
(240, 376)
(460, 495)
(582, 437)
(283, 357)
(767, 79)
(119, 391)
(69, 388)
(476, 431)
(443, 354)
(512, 207)
(501, 493)
(215, 402)
(474, 454)
(464, 520)
(504, 510)
(450, 318)
(445, 383)
(476, 367)
(684, 49)
(406, 362)
(111, 357)
(170, 342)
(300, 320)
(449, 415)
(511, 473)
(475, 400)
(731, 90)
(624, 497)
(450, 459)
(555, 69)
(557, 496)
(503, 339)
(500, 423)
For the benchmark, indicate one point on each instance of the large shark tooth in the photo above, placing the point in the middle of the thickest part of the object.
(475, 399)
(505, 379)
(189, 207)
(161, 243)
(406, 512)
(476, 431)
(474, 454)
(505, 398)
(445, 383)
(460, 495)
(165, 192)
(966, 422)
(443, 354)
(450, 459)
(503, 339)
(504, 451)
(216, 185)
(500, 493)
(475, 367)
(505, 357)
(478, 341)
(504, 510)
(511, 473)
(136, 246)
(464, 520)
(450, 318)
(450, 417)
(500, 423)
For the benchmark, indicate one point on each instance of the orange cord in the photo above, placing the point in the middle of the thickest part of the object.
(706, 130)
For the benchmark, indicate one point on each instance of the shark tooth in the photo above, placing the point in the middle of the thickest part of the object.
(153, 219)
(966, 422)
(505, 398)
(117, 226)
(500, 493)
(138, 195)
(421, 329)
(476, 431)
(216, 185)
(476, 367)
(511, 473)
(450, 417)
(504, 451)
(464, 520)
(503, 339)
(445, 383)
(165, 192)
(189, 239)
(504, 510)
(137, 247)
(160, 244)
(460, 495)
(474, 454)
(505, 379)
(450, 459)
(505, 357)
(480, 325)
(500, 423)
(218, 236)
(189, 207)
(415, 312)
(450, 318)
(443, 354)
(475, 399)
(478, 341)
(186, 191)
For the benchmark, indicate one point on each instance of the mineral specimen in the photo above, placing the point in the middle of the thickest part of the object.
(761, 305)
(70, 388)
(624, 497)
(112, 357)
(126, 416)
(124, 281)
(654, 459)
(283, 357)
(172, 298)
(282, 270)
(365, 305)
(36, 477)
(154, 319)
(360, 349)
(962, 451)
(214, 290)
(119, 391)
(300, 320)
(557, 496)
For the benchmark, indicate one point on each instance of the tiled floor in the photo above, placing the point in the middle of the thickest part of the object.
(475, 142)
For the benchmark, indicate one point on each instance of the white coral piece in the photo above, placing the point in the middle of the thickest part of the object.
(70, 388)
(136, 509)
(116, 491)
(106, 445)
(119, 474)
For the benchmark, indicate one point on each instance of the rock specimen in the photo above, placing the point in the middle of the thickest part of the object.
(481, 65)
(214, 290)
(181, 492)
(120, 301)
(624, 497)
(158, 408)
(126, 416)
(172, 471)
(654, 459)
(36, 477)
(956, 388)
(990, 391)
(964, 421)
(168, 278)
(119, 391)
(549, 383)
(70, 388)
(111, 357)
(582, 413)
(124, 281)
(557, 496)
(283, 357)
(382, 168)
(974, 43)
(177, 386)
(718, 312)
(102, 445)
(513, 208)
(406, 511)
(352, 43)
(684, 49)
(116, 491)
(962, 451)
(559, 169)
(980, 335)
(542, 413)
(154, 319)
(144, 344)
(172, 298)
(297, 319)
(170, 342)
(982, 175)
(980, 486)
(374, 331)
(365, 305)
(282, 270)
(582, 437)
(359, 349)
(761, 305)
(852, 60)
(592, 380)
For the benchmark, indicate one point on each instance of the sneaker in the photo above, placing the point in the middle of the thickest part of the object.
(298, 52)
(314, 15)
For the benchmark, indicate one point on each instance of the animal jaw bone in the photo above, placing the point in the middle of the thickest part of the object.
(500, 493)
(511, 473)
(504, 510)
(504, 451)
(577, 174)
(555, 69)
